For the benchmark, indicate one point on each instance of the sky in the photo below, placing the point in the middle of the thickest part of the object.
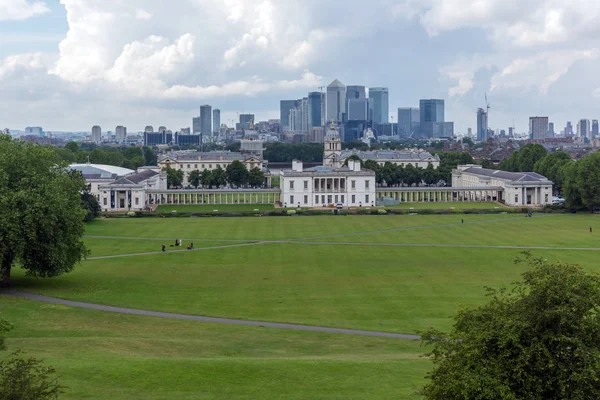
(70, 64)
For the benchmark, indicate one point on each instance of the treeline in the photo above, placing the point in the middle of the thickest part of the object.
(236, 175)
(396, 175)
(126, 156)
(287, 152)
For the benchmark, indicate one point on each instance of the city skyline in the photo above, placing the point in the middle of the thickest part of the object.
(156, 64)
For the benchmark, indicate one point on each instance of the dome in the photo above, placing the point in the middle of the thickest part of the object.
(332, 134)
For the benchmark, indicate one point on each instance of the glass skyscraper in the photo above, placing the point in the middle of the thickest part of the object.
(482, 125)
(379, 103)
(408, 121)
(284, 113)
(431, 116)
(206, 120)
(314, 109)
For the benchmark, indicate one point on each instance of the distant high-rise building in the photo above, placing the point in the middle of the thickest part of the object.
(216, 121)
(96, 134)
(379, 103)
(246, 120)
(354, 92)
(120, 133)
(284, 113)
(314, 109)
(357, 109)
(511, 132)
(538, 128)
(583, 128)
(149, 129)
(206, 120)
(196, 125)
(551, 132)
(162, 129)
(431, 117)
(336, 101)
(469, 132)
(409, 119)
(594, 128)
(569, 129)
(482, 125)
(34, 131)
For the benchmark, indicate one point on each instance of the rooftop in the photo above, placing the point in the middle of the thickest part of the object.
(509, 176)
(101, 171)
(381, 155)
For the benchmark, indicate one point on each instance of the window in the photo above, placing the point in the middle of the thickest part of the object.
(305, 199)
(137, 201)
(291, 199)
(202, 166)
(546, 198)
(188, 166)
(336, 199)
(292, 185)
(305, 184)
(342, 200)
(353, 184)
(516, 198)
(105, 201)
(195, 166)
(366, 198)
(209, 166)
(316, 199)
(366, 184)
(353, 199)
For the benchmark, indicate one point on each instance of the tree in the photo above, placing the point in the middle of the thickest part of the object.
(72, 147)
(538, 341)
(237, 174)
(219, 177)
(206, 178)
(195, 178)
(91, 206)
(174, 177)
(27, 379)
(150, 157)
(41, 212)
(375, 167)
(524, 160)
(256, 178)
(430, 175)
(582, 182)
(353, 157)
(551, 166)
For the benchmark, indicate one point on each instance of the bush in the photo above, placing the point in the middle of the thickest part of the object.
(291, 212)
(27, 379)
(131, 214)
(381, 212)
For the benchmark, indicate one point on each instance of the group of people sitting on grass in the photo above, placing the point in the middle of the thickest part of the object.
(190, 246)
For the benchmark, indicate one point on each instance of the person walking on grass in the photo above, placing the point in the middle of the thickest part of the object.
(462, 221)
(164, 248)
(590, 229)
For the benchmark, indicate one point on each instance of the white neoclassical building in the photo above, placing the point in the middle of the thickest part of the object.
(324, 186)
(527, 189)
(415, 157)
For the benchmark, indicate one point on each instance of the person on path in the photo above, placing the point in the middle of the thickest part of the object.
(163, 248)
(590, 229)
(176, 242)
(462, 221)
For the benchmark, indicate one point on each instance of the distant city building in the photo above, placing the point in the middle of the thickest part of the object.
(511, 132)
(246, 120)
(409, 120)
(184, 138)
(569, 129)
(162, 129)
(185, 131)
(149, 129)
(357, 109)
(216, 122)
(469, 132)
(379, 103)
(120, 133)
(354, 92)
(336, 101)
(595, 128)
(34, 131)
(482, 125)
(284, 113)
(96, 134)
(538, 128)
(196, 125)
(314, 109)
(157, 138)
(432, 119)
(206, 120)
(583, 128)
(551, 132)
(502, 133)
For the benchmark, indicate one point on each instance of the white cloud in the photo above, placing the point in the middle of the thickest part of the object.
(21, 9)
(142, 15)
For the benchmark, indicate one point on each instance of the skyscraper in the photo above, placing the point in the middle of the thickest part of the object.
(354, 92)
(551, 133)
(583, 128)
(569, 129)
(482, 125)
(336, 101)
(314, 109)
(594, 128)
(538, 128)
(120, 133)
(196, 125)
(34, 131)
(96, 134)
(246, 120)
(379, 103)
(431, 117)
(408, 121)
(357, 109)
(206, 120)
(284, 113)
(216, 121)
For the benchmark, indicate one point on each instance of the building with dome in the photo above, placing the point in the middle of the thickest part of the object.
(333, 148)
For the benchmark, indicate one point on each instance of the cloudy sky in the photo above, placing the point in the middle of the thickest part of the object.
(71, 64)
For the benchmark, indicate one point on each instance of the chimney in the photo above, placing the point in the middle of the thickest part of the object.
(297, 166)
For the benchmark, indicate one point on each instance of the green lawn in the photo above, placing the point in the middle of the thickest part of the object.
(445, 206)
(332, 273)
(213, 207)
(109, 356)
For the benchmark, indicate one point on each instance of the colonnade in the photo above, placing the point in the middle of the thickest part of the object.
(439, 195)
(171, 197)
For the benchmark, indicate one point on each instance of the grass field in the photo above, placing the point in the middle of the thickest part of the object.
(213, 207)
(445, 206)
(386, 273)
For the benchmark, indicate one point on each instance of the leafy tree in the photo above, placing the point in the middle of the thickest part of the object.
(551, 166)
(41, 213)
(72, 147)
(4, 327)
(91, 206)
(174, 177)
(430, 175)
(390, 174)
(375, 167)
(206, 178)
(582, 182)
(150, 157)
(27, 379)
(256, 178)
(538, 341)
(524, 160)
(353, 157)
(195, 178)
(451, 160)
(412, 175)
(219, 177)
(487, 163)
(237, 174)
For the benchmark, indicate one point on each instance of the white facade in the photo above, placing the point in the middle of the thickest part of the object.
(327, 186)
(526, 189)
